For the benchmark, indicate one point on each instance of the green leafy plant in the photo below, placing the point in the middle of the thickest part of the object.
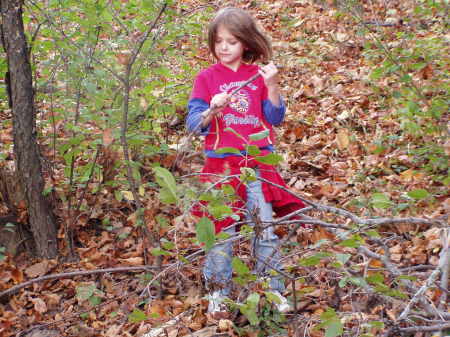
(331, 323)
(137, 316)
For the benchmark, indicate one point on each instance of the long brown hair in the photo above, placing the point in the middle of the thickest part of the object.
(242, 26)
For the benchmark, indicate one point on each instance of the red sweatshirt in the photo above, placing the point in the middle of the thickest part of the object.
(244, 114)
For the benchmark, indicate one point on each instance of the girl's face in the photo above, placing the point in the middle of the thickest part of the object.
(228, 49)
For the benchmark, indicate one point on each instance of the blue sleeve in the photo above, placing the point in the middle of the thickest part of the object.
(274, 115)
(195, 108)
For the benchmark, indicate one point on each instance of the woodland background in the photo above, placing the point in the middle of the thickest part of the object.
(365, 142)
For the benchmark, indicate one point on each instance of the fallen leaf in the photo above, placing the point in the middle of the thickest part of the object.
(17, 276)
(39, 305)
(37, 269)
(52, 300)
(225, 324)
(342, 139)
(133, 261)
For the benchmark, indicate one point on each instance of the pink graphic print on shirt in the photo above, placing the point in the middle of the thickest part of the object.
(240, 102)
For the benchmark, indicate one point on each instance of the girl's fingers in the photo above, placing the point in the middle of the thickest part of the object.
(269, 70)
(220, 100)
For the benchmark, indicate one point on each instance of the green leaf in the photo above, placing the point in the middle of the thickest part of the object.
(137, 316)
(252, 150)
(332, 324)
(166, 180)
(167, 244)
(376, 278)
(219, 211)
(85, 292)
(253, 300)
(206, 197)
(223, 150)
(376, 324)
(222, 236)
(206, 232)
(95, 300)
(377, 73)
(418, 194)
(272, 298)
(334, 329)
(310, 261)
(228, 190)
(343, 258)
(313, 260)
(239, 267)
(406, 277)
(167, 196)
(159, 252)
(162, 221)
(354, 242)
(270, 159)
(357, 281)
(350, 243)
(373, 233)
(343, 282)
(259, 135)
(251, 314)
(247, 175)
(249, 309)
(380, 200)
(406, 78)
(329, 314)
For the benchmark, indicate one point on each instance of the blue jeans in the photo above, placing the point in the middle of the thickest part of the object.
(217, 267)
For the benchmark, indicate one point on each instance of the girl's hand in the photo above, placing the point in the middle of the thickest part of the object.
(219, 101)
(270, 75)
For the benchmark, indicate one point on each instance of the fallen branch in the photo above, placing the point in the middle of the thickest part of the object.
(16, 288)
(356, 219)
(436, 327)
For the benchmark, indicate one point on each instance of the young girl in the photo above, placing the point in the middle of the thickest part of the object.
(236, 43)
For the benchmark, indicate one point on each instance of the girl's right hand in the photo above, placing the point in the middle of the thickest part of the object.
(219, 101)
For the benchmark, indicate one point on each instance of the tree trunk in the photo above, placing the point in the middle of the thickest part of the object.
(41, 217)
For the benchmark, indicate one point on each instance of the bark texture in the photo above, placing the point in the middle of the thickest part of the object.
(41, 217)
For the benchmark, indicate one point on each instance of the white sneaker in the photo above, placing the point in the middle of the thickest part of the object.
(282, 305)
(216, 302)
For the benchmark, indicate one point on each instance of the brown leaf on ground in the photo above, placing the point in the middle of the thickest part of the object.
(39, 305)
(37, 269)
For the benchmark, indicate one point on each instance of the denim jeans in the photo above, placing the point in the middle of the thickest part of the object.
(217, 268)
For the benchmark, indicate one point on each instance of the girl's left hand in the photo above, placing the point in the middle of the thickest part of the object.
(270, 74)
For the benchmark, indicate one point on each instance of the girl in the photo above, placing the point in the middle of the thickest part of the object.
(236, 43)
